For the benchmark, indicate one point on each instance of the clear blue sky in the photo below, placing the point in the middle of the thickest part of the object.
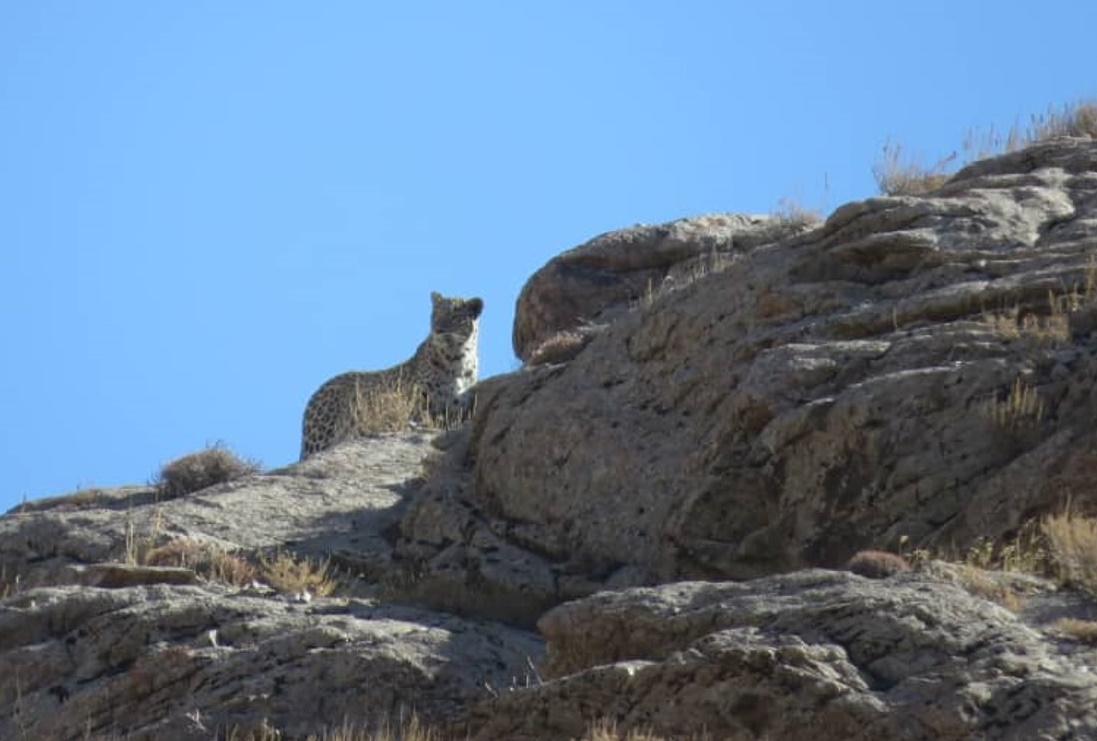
(207, 208)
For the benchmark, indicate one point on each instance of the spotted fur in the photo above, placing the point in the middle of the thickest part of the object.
(441, 371)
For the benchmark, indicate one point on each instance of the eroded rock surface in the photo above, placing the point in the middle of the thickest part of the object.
(915, 368)
(90, 644)
(344, 503)
(595, 282)
(758, 398)
(810, 655)
(191, 662)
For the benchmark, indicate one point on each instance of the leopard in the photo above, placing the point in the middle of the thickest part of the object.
(439, 378)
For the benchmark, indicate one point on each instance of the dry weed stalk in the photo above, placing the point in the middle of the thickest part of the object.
(1021, 409)
(395, 408)
(896, 176)
(209, 560)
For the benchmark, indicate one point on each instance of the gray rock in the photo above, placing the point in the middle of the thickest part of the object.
(187, 662)
(93, 646)
(842, 389)
(810, 655)
(596, 281)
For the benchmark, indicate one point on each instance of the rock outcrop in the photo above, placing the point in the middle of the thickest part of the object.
(92, 644)
(739, 404)
(810, 655)
(917, 369)
(595, 283)
(199, 662)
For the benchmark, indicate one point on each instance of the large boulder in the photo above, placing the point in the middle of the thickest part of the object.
(916, 369)
(596, 281)
(95, 642)
(197, 662)
(810, 655)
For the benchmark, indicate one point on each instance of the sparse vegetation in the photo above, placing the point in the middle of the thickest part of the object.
(877, 564)
(1022, 409)
(985, 584)
(137, 546)
(9, 583)
(691, 272)
(790, 213)
(207, 559)
(1072, 545)
(560, 348)
(79, 499)
(899, 175)
(1082, 631)
(394, 409)
(414, 730)
(1053, 326)
(295, 576)
(196, 471)
(1024, 552)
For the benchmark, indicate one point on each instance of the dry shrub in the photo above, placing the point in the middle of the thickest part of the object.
(377, 411)
(1072, 543)
(410, 729)
(214, 465)
(606, 730)
(9, 582)
(79, 499)
(560, 348)
(877, 564)
(985, 584)
(1022, 409)
(896, 176)
(208, 560)
(1083, 631)
(1026, 552)
(289, 575)
(790, 212)
(395, 408)
(1073, 119)
(1043, 331)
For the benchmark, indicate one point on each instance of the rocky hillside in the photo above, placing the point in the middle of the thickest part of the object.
(648, 522)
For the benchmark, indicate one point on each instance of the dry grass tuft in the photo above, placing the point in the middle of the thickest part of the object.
(877, 564)
(1025, 553)
(790, 212)
(396, 408)
(983, 584)
(560, 348)
(1072, 545)
(898, 176)
(606, 730)
(208, 560)
(986, 565)
(289, 575)
(9, 582)
(214, 465)
(1083, 631)
(1022, 409)
(377, 411)
(411, 729)
(1073, 119)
